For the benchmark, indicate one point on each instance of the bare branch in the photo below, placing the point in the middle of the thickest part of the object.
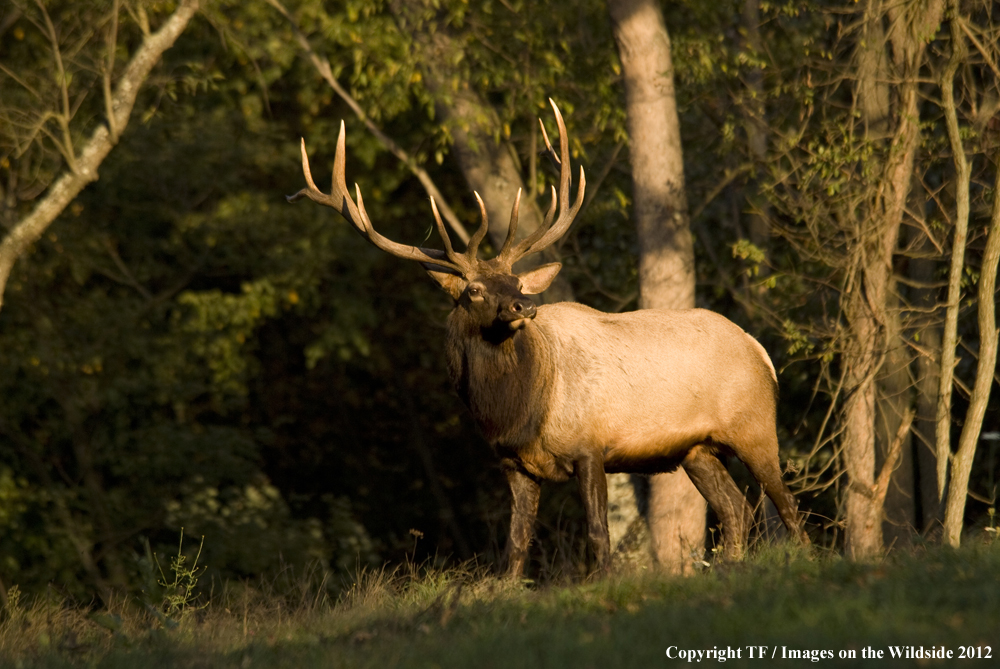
(892, 457)
(727, 179)
(109, 71)
(957, 19)
(66, 145)
(322, 66)
(130, 279)
(72, 181)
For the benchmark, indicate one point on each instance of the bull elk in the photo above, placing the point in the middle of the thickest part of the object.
(563, 390)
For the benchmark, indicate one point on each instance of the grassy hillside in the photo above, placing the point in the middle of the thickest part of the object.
(790, 603)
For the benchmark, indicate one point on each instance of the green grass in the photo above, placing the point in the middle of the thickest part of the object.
(461, 619)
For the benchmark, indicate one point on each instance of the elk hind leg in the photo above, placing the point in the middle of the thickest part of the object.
(715, 484)
(594, 490)
(768, 474)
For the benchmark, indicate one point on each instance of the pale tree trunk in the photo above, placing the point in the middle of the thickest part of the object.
(666, 251)
(893, 387)
(869, 289)
(863, 532)
(84, 170)
(961, 461)
(858, 419)
(759, 211)
(961, 464)
(949, 339)
(488, 164)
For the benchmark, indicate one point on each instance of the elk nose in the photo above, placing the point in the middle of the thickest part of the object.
(522, 309)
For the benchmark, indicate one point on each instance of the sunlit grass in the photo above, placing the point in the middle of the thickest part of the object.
(463, 617)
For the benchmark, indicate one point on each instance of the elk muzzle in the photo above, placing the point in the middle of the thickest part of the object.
(518, 312)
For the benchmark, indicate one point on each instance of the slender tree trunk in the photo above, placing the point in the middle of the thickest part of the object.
(864, 532)
(961, 464)
(666, 260)
(949, 339)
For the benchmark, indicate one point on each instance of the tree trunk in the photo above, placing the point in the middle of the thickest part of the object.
(863, 533)
(666, 250)
(949, 340)
(895, 391)
(487, 164)
(961, 464)
(866, 304)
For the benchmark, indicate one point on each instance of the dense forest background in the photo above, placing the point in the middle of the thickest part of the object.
(181, 348)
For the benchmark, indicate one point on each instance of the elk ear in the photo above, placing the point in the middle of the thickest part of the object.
(452, 284)
(537, 280)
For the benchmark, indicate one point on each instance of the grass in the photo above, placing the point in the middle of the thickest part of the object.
(463, 618)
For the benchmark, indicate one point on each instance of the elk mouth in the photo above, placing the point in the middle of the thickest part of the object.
(517, 315)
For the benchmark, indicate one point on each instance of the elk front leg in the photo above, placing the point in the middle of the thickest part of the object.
(524, 493)
(594, 489)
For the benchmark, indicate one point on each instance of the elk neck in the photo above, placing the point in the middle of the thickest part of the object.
(504, 380)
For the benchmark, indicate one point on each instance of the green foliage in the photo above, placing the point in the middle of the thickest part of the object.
(180, 596)
(746, 250)
(218, 324)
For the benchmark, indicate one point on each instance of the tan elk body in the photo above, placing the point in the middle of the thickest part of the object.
(563, 390)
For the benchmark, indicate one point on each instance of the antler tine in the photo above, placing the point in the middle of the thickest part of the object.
(443, 233)
(310, 191)
(549, 232)
(548, 145)
(340, 199)
(472, 250)
(559, 228)
(512, 227)
(565, 175)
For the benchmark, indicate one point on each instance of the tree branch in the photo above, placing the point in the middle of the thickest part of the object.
(885, 476)
(76, 178)
(322, 65)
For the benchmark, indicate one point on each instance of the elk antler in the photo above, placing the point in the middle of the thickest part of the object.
(466, 263)
(548, 232)
(340, 199)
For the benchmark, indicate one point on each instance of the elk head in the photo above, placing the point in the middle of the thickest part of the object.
(493, 297)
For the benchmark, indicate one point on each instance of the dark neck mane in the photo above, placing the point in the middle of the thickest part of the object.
(503, 380)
